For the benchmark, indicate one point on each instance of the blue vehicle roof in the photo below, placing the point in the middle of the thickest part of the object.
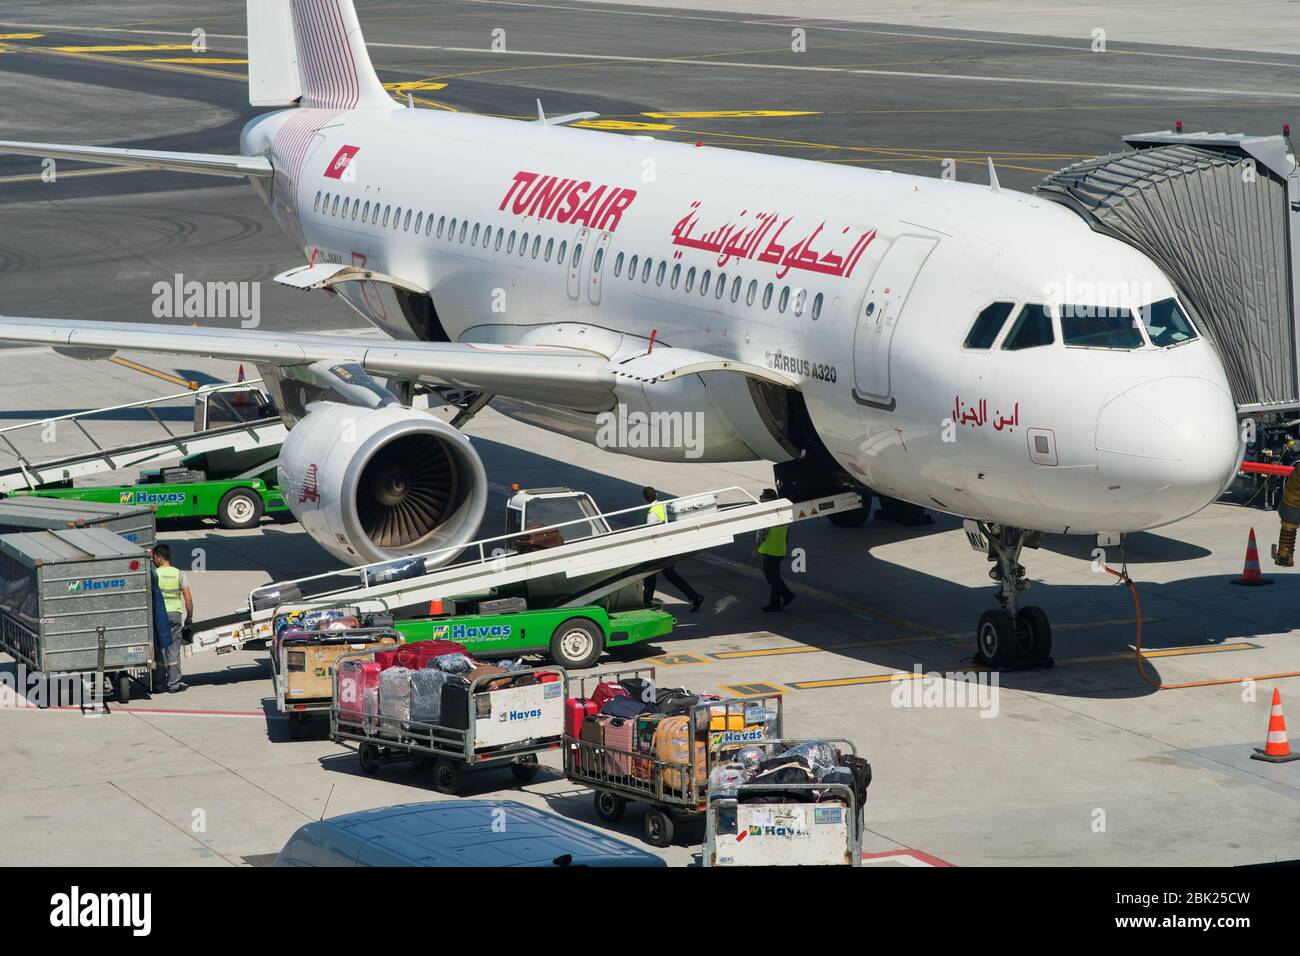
(457, 833)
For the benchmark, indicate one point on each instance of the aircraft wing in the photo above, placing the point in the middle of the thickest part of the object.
(553, 376)
(210, 164)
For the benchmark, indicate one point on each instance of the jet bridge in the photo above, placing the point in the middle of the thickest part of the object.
(1220, 213)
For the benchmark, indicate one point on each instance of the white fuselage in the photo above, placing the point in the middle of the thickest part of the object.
(1052, 438)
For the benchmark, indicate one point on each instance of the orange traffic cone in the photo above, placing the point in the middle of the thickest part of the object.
(1276, 748)
(1250, 573)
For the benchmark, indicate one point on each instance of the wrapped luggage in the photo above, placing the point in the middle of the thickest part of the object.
(426, 695)
(673, 745)
(395, 693)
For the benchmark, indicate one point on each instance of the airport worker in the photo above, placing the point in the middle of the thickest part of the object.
(657, 513)
(179, 606)
(162, 629)
(771, 544)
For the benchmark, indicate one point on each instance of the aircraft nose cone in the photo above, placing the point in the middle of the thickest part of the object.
(1168, 447)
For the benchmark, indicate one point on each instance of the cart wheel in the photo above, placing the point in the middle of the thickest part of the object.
(577, 643)
(525, 768)
(239, 508)
(124, 688)
(609, 806)
(447, 777)
(369, 755)
(658, 828)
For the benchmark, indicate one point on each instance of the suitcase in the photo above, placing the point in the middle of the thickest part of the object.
(591, 759)
(426, 696)
(575, 709)
(721, 719)
(673, 745)
(643, 739)
(626, 707)
(605, 690)
(417, 654)
(355, 678)
(485, 671)
(395, 693)
(455, 703)
(619, 733)
(861, 771)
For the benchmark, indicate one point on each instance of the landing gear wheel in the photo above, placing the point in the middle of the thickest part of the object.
(369, 755)
(124, 688)
(995, 639)
(447, 777)
(609, 807)
(577, 644)
(239, 508)
(1034, 621)
(851, 519)
(658, 828)
(525, 768)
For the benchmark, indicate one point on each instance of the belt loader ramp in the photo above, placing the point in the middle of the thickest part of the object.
(1220, 213)
(594, 566)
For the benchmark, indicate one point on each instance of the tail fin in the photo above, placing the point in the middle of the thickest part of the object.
(310, 53)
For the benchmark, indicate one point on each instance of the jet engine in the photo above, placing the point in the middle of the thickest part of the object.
(374, 484)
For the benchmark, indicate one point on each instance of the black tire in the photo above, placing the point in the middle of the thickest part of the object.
(239, 508)
(995, 638)
(572, 651)
(525, 768)
(658, 828)
(447, 777)
(124, 688)
(1034, 620)
(369, 755)
(609, 806)
(850, 519)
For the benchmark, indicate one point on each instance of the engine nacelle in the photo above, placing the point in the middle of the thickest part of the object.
(376, 484)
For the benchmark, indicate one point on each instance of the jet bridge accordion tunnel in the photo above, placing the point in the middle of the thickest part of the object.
(1220, 214)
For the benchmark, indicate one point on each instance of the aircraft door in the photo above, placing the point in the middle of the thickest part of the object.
(577, 254)
(882, 308)
(598, 266)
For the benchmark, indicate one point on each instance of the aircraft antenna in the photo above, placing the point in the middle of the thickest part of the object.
(993, 178)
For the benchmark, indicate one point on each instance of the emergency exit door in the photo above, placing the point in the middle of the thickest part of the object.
(882, 308)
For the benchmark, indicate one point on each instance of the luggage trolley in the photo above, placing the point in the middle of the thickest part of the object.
(675, 791)
(303, 670)
(825, 829)
(505, 727)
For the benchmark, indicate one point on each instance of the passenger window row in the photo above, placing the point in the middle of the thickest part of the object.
(1082, 326)
(457, 230)
(794, 299)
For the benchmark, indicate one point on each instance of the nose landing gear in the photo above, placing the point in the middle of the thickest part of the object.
(1011, 637)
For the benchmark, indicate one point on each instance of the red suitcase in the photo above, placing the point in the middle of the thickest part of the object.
(618, 737)
(356, 677)
(417, 654)
(605, 690)
(575, 709)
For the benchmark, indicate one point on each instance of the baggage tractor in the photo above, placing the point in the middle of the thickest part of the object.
(395, 693)
(618, 739)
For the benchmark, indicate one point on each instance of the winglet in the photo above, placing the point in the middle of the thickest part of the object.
(541, 116)
(993, 178)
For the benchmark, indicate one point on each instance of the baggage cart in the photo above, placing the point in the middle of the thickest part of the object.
(825, 829)
(303, 673)
(29, 513)
(77, 603)
(505, 727)
(674, 791)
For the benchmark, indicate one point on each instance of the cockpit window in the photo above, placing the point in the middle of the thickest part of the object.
(1033, 328)
(1099, 327)
(1166, 323)
(987, 325)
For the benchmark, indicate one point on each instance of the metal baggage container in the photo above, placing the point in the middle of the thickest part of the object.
(61, 591)
(135, 523)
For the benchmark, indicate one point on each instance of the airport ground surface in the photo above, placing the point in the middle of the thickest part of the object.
(1083, 764)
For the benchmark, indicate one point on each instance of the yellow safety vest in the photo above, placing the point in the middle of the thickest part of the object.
(773, 542)
(659, 511)
(169, 581)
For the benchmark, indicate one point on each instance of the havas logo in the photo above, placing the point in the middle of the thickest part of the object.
(76, 909)
(341, 161)
(509, 715)
(152, 497)
(81, 585)
(480, 632)
(738, 736)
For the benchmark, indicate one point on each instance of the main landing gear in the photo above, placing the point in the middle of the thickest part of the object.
(1011, 637)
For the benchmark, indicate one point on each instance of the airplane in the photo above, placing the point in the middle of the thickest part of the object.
(966, 348)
